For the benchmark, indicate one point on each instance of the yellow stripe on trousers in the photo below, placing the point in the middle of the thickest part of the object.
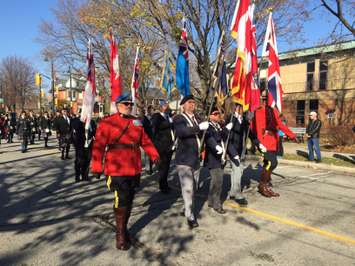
(292, 223)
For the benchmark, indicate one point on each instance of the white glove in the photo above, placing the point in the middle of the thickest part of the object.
(229, 126)
(219, 149)
(236, 157)
(204, 125)
(262, 147)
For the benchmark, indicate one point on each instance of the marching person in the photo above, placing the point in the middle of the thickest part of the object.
(147, 125)
(187, 156)
(23, 130)
(45, 126)
(312, 131)
(11, 127)
(266, 126)
(237, 140)
(215, 137)
(163, 138)
(83, 147)
(64, 132)
(117, 142)
(55, 120)
(33, 127)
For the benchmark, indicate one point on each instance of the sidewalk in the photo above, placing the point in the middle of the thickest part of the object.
(292, 148)
(301, 150)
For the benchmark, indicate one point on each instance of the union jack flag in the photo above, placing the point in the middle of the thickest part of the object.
(275, 91)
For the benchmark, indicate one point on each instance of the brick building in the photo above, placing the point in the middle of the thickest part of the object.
(320, 79)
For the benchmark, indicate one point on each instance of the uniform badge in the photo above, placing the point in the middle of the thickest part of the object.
(137, 123)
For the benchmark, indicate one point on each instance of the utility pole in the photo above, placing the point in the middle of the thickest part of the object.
(70, 88)
(52, 86)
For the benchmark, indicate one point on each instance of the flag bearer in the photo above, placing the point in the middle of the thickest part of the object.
(266, 126)
(187, 156)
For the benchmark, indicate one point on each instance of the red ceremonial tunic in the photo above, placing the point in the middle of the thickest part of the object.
(266, 137)
(123, 156)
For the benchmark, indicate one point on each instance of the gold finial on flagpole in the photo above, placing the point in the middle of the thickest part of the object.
(270, 9)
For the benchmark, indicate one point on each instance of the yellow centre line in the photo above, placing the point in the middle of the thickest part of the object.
(292, 223)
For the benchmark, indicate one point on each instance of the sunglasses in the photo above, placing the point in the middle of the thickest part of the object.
(128, 103)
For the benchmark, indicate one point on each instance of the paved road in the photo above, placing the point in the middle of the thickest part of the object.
(47, 219)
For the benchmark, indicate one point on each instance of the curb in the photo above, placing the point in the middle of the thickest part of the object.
(319, 166)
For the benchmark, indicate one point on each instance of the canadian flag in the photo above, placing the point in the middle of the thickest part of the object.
(90, 89)
(115, 76)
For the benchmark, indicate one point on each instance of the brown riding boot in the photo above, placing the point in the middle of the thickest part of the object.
(263, 188)
(128, 214)
(121, 237)
(271, 192)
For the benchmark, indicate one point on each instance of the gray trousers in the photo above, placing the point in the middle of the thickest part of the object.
(236, 181)
(189, 181)
(214, 195)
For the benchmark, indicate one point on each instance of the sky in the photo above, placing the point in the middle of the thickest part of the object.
(20, 20)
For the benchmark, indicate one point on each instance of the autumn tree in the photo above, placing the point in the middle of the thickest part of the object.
(156, 26)
(17, 79)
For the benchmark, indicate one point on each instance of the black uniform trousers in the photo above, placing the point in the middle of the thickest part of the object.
(270, 160)
(82, 161)
(124, 189)
(163, 168)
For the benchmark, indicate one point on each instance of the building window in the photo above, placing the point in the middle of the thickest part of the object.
(300, 109)
(313, 105)
(310, 76)
(323, 74)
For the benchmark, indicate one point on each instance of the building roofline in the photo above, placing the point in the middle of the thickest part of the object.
(317, 50)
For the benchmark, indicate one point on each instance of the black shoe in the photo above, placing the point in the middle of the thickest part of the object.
(242, 202)
(77, 180)
(219, 210)
(62, 158)
(192, 223)
(318, 161)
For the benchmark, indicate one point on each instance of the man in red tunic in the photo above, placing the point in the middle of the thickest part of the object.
(266, 125)
(117, 142)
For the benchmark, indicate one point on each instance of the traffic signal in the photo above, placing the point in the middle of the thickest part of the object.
(38, 79)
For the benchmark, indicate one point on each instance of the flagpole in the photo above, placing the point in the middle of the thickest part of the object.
(162, 74)
(133, 90)
(214, 85)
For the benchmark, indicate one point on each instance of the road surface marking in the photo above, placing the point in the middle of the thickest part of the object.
(292, 223)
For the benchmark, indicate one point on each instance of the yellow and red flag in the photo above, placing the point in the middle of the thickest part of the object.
(243, 86)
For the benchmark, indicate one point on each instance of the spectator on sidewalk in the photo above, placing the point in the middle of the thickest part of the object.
(312, 133)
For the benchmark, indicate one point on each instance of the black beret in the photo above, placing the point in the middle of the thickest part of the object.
(186, 98)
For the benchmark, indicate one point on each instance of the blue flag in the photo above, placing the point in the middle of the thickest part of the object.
(168, 80)
(182, 66)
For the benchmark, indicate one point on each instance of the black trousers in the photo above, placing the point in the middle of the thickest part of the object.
(270, 160)
(64, 144)
(163, 169)
(124, 189)
(33, 135)
(82, 161)
(10, 136)
(24, 143)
